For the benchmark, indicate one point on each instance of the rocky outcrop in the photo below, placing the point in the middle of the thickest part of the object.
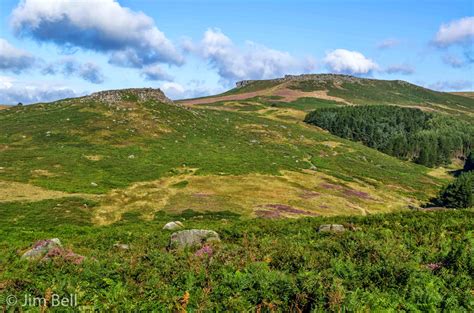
(130, 94)
(305, 77)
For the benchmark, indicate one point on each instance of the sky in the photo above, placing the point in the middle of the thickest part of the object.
(52, 49)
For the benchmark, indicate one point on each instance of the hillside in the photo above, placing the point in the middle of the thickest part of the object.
(469, 94)
(135, 150)
(104, 173)
(309, 91)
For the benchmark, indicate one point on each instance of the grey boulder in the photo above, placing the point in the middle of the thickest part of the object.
(193, 237)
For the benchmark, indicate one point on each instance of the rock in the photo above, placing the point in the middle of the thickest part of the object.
(94, 184)
(41, 248)
(173, 225)
(140, 94)
(121, 246)
(193, 237)
(331, 228)
(48, 249)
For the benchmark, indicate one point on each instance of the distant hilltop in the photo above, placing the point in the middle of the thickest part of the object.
(140, 94)
(305, 77)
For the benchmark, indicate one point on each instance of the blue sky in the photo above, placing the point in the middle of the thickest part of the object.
(57, 48)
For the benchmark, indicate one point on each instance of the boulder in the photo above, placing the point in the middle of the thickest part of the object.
(173, 225)
(48, 249)
(193, 237)
(41, 248)
(337, 228)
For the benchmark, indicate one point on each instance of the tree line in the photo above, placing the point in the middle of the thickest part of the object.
(410, 134)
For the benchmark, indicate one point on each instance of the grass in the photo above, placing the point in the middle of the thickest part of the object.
(60, 138)
(391, 92)
(260, 264)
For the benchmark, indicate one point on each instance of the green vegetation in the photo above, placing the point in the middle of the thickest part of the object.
(253, 86)
(412, 261)
(409, 134)
(306, 104)
(84, 146)
(371, 91)
(469, 164)
(459, 193)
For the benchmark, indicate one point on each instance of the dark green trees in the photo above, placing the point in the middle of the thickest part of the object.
(459, 193)
(408, 134)
(469, 165)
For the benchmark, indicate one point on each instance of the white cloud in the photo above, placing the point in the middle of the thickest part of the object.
(194, 89)
(253, 61)
(13, 91)
(388, 43)
(131, 38)
(13, 59)
(155, 72)
(349, 62)
(456, 32)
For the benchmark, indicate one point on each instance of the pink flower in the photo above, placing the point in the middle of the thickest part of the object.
(205, 250)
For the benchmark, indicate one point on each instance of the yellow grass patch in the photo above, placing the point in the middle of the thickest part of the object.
(13, 191)
(292, 194)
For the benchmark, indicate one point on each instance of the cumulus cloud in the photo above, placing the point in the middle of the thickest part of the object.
(349, 62)
(404, 69)
(253, 61)
(456, 32)
(193, 89)
(131, 38)
(12, 92)
(452, 85)
(88, 71)
(388, 43)
(13, 59)
(155, 72)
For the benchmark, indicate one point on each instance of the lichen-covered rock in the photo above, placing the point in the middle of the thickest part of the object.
(173, 225)
(193, 237)
(331, 228)
(41, 248)
(48, 249)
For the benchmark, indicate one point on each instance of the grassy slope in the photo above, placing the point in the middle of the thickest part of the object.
(371, 91)
(260, 264)
(72, 144)
(469, 94)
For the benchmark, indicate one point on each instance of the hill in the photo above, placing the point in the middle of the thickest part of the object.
(2, 107)
(306, 92)
(104, 174)
(135, 150)
(469, 94)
